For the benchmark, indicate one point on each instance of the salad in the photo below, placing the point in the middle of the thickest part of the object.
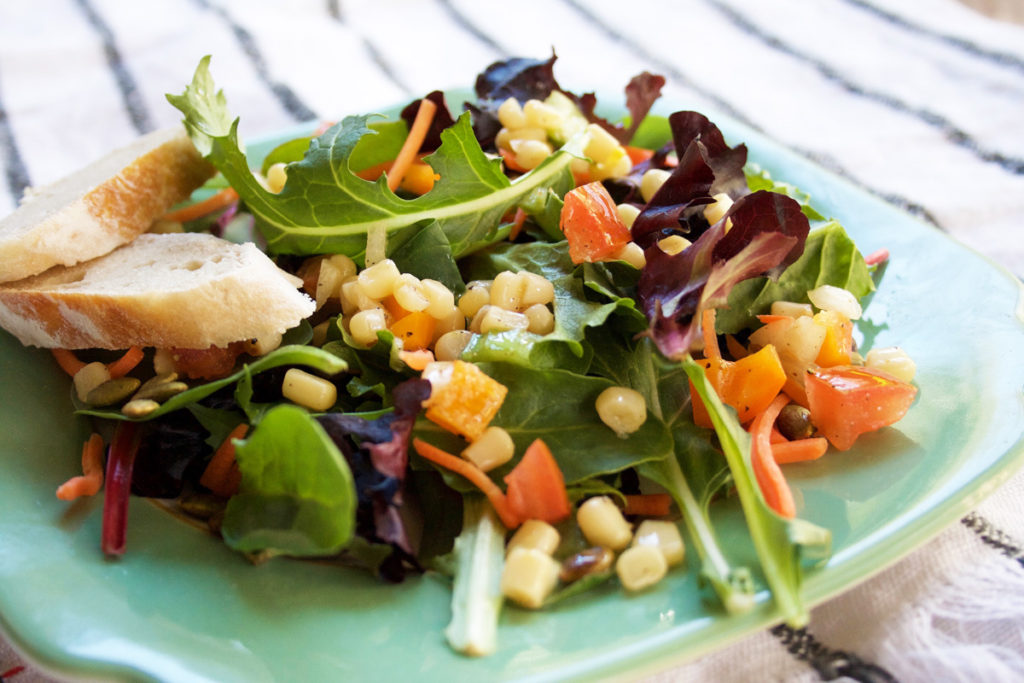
(545, 345)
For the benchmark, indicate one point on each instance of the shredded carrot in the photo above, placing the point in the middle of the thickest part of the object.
(474, 474)
(215, 202)
(769, 477)
(736, 349)
(222, 475)
(648, 504)
(67, 361)
(411, 146)
(126, 363)
(638, 155)
(417, 360)
(91, 480)
(799, 450)
(517, 224)
(771, 318)
(707, 330)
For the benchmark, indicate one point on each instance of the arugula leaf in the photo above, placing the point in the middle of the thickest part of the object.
(297, 495)
(830, 258)
(325, 208)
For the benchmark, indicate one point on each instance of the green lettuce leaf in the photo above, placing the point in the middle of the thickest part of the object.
(830, 258)
(297, 495)
(326, 208)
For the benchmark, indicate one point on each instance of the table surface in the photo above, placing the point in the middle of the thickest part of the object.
(919, 102)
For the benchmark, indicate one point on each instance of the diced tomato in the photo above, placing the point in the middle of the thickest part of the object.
(592, 225)
(847, 401)
(536, 487)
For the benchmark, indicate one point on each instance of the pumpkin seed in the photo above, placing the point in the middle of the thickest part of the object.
(159, 391)
(139, 407)
(112, 392)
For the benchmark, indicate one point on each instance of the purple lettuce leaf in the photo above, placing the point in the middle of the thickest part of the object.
(642, 92)
(377, 453)
(767, 232)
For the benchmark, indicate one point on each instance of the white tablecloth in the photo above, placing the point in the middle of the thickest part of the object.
(920, 102)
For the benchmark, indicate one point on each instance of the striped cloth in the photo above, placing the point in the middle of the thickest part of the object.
(920, 102)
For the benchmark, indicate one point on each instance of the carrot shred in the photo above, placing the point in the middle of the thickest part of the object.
(736, 349)
(638, 155)
(800, 450)
(648, 504)
(222, 475)
(126, 363)
(517, 224)
(91, 480)
(707, 330)
(417, 360)
(411, 146)
(474, 474)
(214, 202)
(766, 318)
(773, 484)
(67, 361)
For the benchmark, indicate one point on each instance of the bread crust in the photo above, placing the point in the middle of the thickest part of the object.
(205, 292)
(97, 209)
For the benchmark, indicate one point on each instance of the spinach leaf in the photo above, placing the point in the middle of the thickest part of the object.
(297, 495)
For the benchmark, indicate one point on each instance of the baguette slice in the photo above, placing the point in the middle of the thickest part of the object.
(106, 204)
(175, 290)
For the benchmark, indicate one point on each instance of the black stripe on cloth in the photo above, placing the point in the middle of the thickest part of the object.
(951, 132)
(15, 171)
(727, 108)
(291, 102)
(472, 29)
(1001, 58)
(133, 104)
(994, 537)
(829, 664)
(334, 9)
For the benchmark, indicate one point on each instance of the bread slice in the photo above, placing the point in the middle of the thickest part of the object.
(182, 290)
(97, 209)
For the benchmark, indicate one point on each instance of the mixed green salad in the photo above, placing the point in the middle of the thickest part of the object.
(531, 321)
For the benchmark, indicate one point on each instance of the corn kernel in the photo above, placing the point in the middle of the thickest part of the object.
(716, 211)
(452, 322)
(491, 449)
(308, 390)
(627, 213)
(511, 115)
(541, 319)
(601, 144)
(353, 298)
(163, 362)
(673, 244)
(640, 567)
(277, 175)
(534, 534)
(364, 325)
(261, 346)
(651, 181)
(530, 153)
(503, 139)
(451, 344)
(664, 536)
(623, 409)
(891, 360)
(440, 300)
(529, 577)
(791, 308)
(476, 296)
(541, 115)
(832, 298)
(537, 289)
(409, 293)
(495, 319)
(345, 265)
(527, 133)
(507, 291)
(632, 254)
(379, 280)
(602, 523)
(88, 378)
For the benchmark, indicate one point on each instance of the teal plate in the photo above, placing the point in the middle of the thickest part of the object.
(181, 606)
